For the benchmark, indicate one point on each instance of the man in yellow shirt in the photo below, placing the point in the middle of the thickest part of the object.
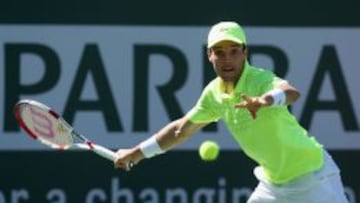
(293, 166)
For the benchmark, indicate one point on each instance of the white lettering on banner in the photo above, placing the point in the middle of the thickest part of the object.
(118, 192)
(56, 195)
(219, 193)
(16, 195)
(119, 84)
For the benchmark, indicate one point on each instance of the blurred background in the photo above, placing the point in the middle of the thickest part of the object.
(120, 70)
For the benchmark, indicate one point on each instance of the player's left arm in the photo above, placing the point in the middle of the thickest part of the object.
(281, 94)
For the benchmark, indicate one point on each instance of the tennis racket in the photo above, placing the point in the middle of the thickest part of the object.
(45, 125)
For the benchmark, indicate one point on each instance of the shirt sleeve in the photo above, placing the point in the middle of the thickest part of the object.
(270, 82)
(204, 110)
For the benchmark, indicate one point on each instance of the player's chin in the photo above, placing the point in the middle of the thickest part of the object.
(228, 78)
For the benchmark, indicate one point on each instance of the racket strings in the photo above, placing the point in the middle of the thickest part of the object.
(44, 124)
(63, 135)
(47, 128)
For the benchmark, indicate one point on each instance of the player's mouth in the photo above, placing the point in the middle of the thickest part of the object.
(227, 69)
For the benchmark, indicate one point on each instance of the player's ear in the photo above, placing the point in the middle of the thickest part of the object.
(209, 51)
(245, 49)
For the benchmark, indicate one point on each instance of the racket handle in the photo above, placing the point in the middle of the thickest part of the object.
(104, 152)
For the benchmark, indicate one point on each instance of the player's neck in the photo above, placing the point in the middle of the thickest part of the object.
(228, 87)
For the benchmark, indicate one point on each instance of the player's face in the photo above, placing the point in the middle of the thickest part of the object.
(228, 60)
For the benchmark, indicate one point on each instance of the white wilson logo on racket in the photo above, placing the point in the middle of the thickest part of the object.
(45, 125)
(42, 124)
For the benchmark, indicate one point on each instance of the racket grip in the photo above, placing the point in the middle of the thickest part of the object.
(104, 152)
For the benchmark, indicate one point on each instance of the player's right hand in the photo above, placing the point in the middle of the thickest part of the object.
(123, 160)
(127, 158)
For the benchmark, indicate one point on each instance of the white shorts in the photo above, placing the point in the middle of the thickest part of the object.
(322, 186)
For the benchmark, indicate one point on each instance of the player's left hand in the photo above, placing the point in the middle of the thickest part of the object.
(253, 104)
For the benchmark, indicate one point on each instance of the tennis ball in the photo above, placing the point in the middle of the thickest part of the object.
(209, 150)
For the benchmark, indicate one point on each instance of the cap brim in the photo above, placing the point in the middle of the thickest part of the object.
(216, 41)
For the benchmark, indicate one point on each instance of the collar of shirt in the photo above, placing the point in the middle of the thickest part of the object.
(239, 86)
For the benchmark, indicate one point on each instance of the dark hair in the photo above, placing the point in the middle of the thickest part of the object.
(244, 47)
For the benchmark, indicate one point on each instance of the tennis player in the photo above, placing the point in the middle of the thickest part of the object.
(292, 166)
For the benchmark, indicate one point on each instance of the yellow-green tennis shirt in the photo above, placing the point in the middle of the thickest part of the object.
(275, 140)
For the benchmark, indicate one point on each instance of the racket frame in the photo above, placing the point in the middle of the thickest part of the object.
(87, 144)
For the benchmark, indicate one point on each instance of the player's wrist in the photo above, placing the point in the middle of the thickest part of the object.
(136, 155)
(150, 148)
(267, 100)
(276, 97)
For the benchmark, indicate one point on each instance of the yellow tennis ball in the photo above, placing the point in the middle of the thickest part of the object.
(209, 150)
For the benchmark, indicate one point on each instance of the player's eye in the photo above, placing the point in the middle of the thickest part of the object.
(235, 51)
(219, 54)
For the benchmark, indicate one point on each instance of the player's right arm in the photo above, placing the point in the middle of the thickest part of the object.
(165, 139)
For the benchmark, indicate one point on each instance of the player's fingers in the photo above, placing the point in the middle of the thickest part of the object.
(246, 103)
(121, 165)
(241, 105)
(253, 113)
(123, 160)
(119, 162)
(245, 97)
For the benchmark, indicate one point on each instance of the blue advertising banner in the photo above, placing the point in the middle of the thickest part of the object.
(176, 177)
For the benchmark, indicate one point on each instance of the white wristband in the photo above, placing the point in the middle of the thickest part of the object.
(279, 97)
(150, 147)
